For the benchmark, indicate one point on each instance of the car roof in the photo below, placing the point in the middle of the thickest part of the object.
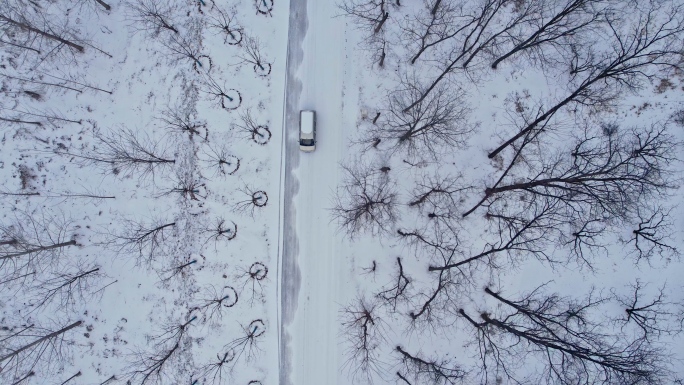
(307, 121)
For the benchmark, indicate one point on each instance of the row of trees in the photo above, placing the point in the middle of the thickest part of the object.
(600, 193)
(42, 263)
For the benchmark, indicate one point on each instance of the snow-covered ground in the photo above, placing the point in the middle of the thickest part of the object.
(250, 278)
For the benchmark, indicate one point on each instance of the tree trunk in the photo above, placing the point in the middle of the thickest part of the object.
(381, 23)
(20, 121)
(44, 248)
(104, 5)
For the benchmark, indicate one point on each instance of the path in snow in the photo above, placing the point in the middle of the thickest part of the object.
(289, 273)
(310, 252)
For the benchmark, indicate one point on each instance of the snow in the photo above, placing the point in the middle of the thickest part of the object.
(306, 122)
(316, 62)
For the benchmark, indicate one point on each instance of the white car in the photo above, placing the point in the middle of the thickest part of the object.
(307, 130)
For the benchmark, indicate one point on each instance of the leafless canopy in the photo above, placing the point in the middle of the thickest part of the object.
(565, 337)
(151, 16)
(366, 202)
(435, 124)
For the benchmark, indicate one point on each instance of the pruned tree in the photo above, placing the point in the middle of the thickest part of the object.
(253, 54)
(179, 48)
(364, 332)
(254, 276)
(223, 96)
(439, 122)
(437, 198)
(428, 370)
(179, 271)
(186, 185)
(179, 122)
(221, 160)
(653, 43)
(27, 347)
(150, 366)
(564, 337)
(144, 241)
(217, 370)
(247, 345)
(220, 230)
(366, 201)
(251, 201)
(215, 300)
(151, 16)
(248, 128)
(225, 23)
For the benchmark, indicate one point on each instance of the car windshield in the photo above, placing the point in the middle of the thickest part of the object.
(306, 142)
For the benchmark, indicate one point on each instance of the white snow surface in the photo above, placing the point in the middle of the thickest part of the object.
(317, 63)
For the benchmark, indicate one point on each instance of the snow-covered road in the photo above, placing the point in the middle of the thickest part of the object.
(312, 266)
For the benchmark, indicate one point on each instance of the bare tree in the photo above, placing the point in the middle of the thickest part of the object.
(149, 367)
(126, 152)
(151, 16)
(399, 289)
(179, 122)
(438, 122)
(31, 27)
(653, 43)
(34, 241)
(609, 173)
(371, 15)
(179, 271)
(651, 234)
(179, 48)
(29, 347)
(252, 200)
(248, 128)
(225, 23)
(186, 185)
(217, 370)
(144, 240)
(247, 345)
(558, 24)
(225, 97)
(65, 288)
(478, 34)
(253, 54)
(221, 160)
(215, 300)
(364, 332)
(428, 370)
(566, 341)
(438, 22)
(254, 277)
(366, 201)
(220, 230)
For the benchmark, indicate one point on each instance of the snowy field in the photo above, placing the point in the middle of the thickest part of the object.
(494, 197)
